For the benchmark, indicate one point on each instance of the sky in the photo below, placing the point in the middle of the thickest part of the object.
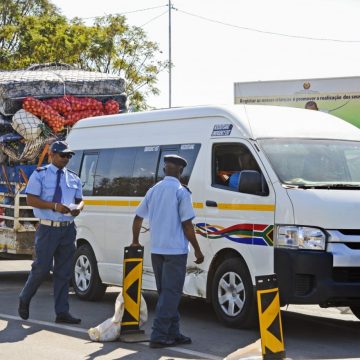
(210, 56)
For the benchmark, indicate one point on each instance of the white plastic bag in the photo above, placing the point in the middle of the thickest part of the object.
(26, 124)
(106, 331)
(109, 330)
(143, 312)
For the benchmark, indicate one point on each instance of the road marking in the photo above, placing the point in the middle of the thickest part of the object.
(84, 331)
(45, 323)
(195, 353)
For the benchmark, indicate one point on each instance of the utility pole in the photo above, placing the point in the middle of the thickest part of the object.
(170, 5)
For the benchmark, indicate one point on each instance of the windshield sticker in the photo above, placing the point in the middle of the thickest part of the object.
(151, 148)
(188, 147)
(222, 130)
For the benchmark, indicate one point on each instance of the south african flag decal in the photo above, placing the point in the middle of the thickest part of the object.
(251, 234)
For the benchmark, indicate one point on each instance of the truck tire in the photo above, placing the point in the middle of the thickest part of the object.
(233, 294)
(356, 311)
(85, 277)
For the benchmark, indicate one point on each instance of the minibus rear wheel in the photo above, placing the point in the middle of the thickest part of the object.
(356, 311)
(233, 294)
(86, 280)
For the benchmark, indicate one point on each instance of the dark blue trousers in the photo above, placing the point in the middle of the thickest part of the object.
(169, 273)
(58, 244)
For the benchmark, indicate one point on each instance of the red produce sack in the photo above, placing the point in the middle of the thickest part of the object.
(62, 105)
(111, 107)
(74, 116)
(86, 103)
(45, 112)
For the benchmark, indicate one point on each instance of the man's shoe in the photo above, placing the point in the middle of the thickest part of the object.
(23, 310)
(182, 340)
(67, 319)
(161, 344)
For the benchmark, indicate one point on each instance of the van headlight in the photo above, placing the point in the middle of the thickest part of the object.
(299, 237)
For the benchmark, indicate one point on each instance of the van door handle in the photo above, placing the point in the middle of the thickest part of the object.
(211, 203)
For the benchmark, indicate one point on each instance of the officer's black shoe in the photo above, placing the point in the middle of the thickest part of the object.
(23, 309)
(67, 318)
(162, 344)
(182, 340)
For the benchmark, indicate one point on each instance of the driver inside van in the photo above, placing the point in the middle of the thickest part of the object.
(230, 165)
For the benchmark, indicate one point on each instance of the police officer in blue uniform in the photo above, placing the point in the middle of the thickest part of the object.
(55, 193)
(168, 206)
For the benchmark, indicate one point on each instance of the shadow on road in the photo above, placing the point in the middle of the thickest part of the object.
(304, 335)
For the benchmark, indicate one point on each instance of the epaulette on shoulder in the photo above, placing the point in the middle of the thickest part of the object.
(73, 172)
(41, 168)
(186, 188)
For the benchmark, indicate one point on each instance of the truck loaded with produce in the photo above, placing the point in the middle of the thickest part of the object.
(39, 105)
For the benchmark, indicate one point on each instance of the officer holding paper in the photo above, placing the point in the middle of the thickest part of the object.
(55, 193)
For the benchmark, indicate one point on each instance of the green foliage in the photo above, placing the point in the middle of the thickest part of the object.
(34, 31)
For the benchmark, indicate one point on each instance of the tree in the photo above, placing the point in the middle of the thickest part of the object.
(34, 31)
(120, 49)
(14, 16)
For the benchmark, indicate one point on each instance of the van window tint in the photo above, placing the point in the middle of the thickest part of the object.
(190, 153)
(87, 174)
(114, 172)
(144, 169)
(130, 171)
(235, 169)
(165, 150)
(75, 161)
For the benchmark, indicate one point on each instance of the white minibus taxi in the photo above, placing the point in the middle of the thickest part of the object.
(275, 190)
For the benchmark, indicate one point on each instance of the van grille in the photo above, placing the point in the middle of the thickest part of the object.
(353, 232)
(304, 284)
(353, 246)
(351, 274)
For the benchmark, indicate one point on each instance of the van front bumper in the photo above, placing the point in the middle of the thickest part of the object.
(308, 277)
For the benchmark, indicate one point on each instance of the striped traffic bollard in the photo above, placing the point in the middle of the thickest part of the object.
(272, 341)
(132, 278)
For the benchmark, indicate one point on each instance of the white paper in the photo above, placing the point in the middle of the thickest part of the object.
(71, 207)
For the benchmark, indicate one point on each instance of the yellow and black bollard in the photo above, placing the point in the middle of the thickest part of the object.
(272, 341)
(132, 278)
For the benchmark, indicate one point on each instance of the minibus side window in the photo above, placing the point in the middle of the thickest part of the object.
(187, 151)
(114, 172)
(235, 169)
(165, 150)
(144, 170)
(75, 161)
(190, 153)
(87, 173)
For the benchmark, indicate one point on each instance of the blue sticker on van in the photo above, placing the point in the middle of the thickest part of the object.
(222, 130)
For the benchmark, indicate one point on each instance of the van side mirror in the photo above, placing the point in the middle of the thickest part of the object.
(250, 182)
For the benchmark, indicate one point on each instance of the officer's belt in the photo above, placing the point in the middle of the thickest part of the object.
(55, 223)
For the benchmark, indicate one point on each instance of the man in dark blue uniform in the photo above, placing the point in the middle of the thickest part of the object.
(55, 193)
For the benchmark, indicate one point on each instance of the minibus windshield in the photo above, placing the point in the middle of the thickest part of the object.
(311, 163)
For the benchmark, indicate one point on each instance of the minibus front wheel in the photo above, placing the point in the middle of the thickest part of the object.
(233, 296)
(85, 276)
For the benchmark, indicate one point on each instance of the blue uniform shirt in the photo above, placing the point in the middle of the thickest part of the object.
(42, 183)
(167, 204)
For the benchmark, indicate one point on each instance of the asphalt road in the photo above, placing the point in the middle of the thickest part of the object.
(310, 332)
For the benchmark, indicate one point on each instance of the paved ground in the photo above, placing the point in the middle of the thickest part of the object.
(310, 332)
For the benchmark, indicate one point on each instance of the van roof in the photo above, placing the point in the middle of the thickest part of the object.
(253, 121)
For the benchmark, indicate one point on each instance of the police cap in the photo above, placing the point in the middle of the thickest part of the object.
(61, 147)
(175, 159)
